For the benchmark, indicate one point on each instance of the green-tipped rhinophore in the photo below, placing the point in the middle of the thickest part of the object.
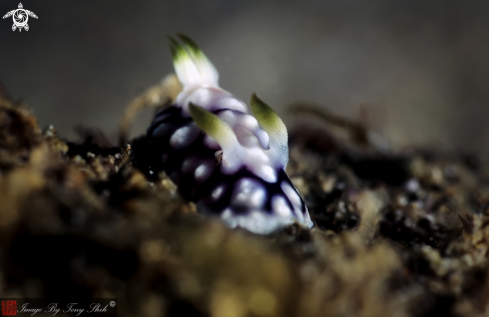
(213, 126)
(270, 122)
(207, 71)
(191, 65)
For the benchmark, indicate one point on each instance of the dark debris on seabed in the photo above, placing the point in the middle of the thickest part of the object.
(396, 234)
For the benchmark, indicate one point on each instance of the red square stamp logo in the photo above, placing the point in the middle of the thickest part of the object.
(9, 307)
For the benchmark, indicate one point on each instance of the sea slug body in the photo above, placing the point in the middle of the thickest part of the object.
(231, 163)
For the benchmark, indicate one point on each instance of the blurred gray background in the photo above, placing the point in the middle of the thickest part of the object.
(419, 70)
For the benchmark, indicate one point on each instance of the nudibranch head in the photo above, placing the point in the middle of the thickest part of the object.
(231, 163)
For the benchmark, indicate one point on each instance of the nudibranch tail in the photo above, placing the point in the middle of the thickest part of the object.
(191, 65)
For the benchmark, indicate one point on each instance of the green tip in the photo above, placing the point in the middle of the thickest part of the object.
(193, 49)
(213, 125)
(172, 40)
(177, 50)
(189, 43)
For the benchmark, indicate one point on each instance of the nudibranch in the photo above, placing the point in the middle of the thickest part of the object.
(231, 163)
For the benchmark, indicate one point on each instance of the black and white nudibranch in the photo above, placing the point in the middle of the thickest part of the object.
(231, 163)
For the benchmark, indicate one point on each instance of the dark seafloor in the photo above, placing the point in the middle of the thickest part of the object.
(402, 234)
